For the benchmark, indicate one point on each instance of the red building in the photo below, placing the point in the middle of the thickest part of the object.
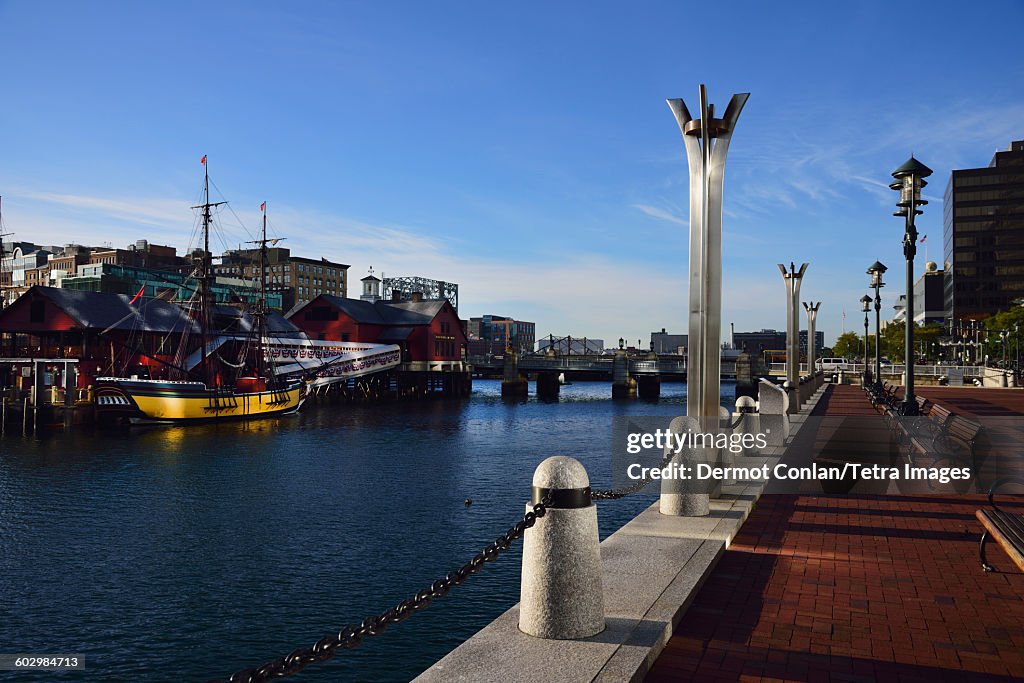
(104, 333)
(429, 332)
(109, 334)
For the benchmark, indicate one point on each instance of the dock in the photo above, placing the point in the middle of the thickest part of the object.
(791, 586)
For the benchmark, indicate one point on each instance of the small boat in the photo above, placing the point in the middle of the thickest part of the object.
(256, 392)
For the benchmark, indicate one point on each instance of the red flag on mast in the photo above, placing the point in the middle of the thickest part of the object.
(203, 160)
(263, 207)
(142, 289)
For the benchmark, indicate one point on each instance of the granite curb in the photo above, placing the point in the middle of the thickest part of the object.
(652, 569)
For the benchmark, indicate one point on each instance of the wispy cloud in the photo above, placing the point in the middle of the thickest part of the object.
(150, 212)
(661, 214)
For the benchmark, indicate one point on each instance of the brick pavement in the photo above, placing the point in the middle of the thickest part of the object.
(858, 588)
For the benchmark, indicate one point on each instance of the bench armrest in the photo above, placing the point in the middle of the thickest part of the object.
(1012, 479)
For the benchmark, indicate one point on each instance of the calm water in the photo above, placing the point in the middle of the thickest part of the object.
(171, 553)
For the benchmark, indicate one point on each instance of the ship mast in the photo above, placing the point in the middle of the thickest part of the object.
(260, 311)
(3, 296)
(205, 272)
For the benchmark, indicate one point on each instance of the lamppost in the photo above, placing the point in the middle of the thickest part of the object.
(866, 301)
(1002, 337)
(910, 179)
(876, 271)
(1016, 346)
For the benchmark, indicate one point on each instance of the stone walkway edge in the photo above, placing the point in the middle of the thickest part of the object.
(652, 569)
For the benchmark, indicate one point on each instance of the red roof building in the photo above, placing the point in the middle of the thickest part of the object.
(429, 332)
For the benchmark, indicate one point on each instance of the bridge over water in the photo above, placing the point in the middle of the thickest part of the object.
(594, 366)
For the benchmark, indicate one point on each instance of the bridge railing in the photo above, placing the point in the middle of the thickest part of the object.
(895, 370)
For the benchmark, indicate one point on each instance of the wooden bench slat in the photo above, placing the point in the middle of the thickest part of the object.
(1008, 524)
(1015, 526)
(994, 524)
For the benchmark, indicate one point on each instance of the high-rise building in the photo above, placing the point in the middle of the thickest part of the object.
(983, 231)
(295, 278)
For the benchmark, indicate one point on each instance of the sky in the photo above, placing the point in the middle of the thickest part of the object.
(523, 150)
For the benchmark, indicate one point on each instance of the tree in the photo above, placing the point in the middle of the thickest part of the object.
(1003, 321)
(893, 341)
(848, 345)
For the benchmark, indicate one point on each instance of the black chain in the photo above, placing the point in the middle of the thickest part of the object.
(615, 494)
(352, 636)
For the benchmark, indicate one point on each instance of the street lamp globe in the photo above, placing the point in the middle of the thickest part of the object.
(910, 180)
(876, 271)
(866, 302)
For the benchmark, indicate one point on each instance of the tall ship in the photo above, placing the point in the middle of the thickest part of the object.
(204, 385)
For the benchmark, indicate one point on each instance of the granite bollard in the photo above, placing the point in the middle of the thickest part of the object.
(686, 497)
(774, 413)
(562, 596)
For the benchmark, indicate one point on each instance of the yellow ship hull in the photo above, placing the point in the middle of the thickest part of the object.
(159, 401)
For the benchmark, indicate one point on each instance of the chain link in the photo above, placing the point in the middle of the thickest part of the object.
(352, 636)
(615, 494)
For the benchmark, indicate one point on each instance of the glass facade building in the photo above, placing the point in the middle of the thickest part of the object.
(983, 237)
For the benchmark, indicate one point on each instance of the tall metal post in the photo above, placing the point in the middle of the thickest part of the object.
(792, 278)
(706, 140)
(910, 179)
(707, 144)
(867, 366)
(812, 316)
(877, 271)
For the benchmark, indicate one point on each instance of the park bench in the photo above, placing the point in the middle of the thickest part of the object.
(886, 398)
(1006, 528)
(954, 438)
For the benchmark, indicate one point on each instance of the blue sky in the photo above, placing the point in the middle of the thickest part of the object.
(523, 150)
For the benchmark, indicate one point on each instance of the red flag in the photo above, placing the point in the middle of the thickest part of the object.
(142, 289)
(263, 206)
(203, 160)
(923, 238)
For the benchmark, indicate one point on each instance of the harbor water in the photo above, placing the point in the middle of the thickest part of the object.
(187, 553)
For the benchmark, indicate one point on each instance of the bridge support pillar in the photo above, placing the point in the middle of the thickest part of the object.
(513, 385)
(648, 386)
(547, 385)
(623, 386)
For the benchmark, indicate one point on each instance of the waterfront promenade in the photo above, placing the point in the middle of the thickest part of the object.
(860, 588)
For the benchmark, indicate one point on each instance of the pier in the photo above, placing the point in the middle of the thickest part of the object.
(805, 585)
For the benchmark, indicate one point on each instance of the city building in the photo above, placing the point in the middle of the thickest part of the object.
(491, 334)
(171, 286)
(662, 342)
(983, 237)
(406, 287)
(758, 342)
(295, 279)
(929, 296)
(774, 342)
(25, 265)
(819, 341)
(899, 309)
